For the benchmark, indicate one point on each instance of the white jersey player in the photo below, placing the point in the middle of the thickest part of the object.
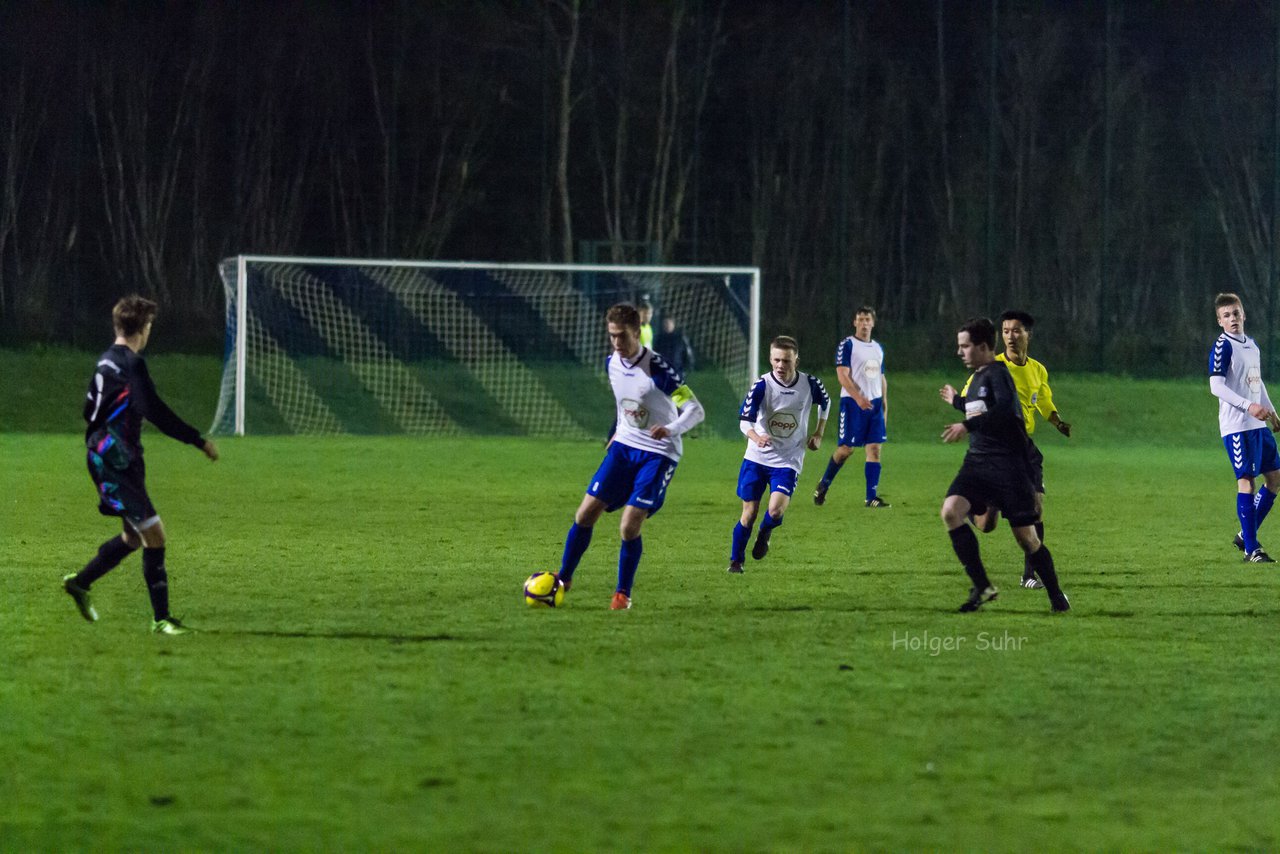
(864, 407)
(654, 408)
(1244, 414)
(775, 419)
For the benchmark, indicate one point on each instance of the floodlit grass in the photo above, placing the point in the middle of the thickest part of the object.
(368, 679)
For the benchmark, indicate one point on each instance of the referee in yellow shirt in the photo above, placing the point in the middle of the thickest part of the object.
(1032, 381)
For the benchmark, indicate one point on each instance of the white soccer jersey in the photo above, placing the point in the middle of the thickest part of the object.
(782, 413)
(865, 361)
(650, 392)
(1239, 363)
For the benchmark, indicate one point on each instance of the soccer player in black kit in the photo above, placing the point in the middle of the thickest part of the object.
(121, 394)
(996, 470)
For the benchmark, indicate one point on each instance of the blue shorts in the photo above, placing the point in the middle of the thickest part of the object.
(860, 426)
(753, 477)
(631, 476)
(1252, 452)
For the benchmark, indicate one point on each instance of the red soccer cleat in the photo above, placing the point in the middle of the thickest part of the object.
(621, 602)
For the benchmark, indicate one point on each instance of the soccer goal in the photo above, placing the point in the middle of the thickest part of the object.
(338, 345)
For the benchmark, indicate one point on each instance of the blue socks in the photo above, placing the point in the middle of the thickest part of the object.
(833, 469)
(1262, 502)
(1248, 520)
(768, 523)
(738, 548)
(873, 479)
(628, 563)
(575, 545)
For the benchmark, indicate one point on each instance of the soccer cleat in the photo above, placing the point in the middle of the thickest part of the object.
(81, 596)
(978, 598)
(567, 582)
(820, 495)
(1238, 542)
(169, 626)
(1058, 602)
(1030, 581)
(621, 602)
(878, 502)
(1258, 556)
(761, 547)
(735, 566)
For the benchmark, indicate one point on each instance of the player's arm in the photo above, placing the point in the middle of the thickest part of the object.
(845, 375)
(884, 397)
(159, 414)
(1044, 403)
(691, 415)
(1219, 362)
(748, 429)
(750, 413)
(821, 402)
(814, 442)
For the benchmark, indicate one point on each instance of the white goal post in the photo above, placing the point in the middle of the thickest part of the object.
(348, 345)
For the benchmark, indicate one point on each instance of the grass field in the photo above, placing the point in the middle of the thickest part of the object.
(367, 678)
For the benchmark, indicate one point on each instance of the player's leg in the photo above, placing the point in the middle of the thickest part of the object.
(1245, 452)
(782, 483)
(873, 434)
(964, 542)
(1269, 465)
(652, 474)
(984, 518)
(844, 447)
(778, 501)
(1039, 560)
(579, 536)
(629, 553)
(752, 483)
(742, 534)
(607, 490)
(1036, 459)
(151, 532)
(109, 556)
(872, 472)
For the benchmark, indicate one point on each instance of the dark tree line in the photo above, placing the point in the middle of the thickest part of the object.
(1120, 170)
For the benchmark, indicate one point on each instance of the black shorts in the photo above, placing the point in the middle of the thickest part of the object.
(1036, 459)
(120, 477)
(1000, 483)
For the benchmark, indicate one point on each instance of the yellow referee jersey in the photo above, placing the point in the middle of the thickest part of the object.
(1032, 382)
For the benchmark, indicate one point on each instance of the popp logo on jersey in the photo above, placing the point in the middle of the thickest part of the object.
(871, 368)
(782, 424)
(635, 413)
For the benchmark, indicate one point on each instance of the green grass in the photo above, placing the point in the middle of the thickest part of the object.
(368, 679)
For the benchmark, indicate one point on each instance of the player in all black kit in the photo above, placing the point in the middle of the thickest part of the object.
(121, 394)
(996, 470)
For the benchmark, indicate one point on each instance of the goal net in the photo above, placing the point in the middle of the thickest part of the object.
(332, 346)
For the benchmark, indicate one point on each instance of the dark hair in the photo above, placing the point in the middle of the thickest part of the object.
(1226, 299)
(1020, 316)
(785, 342)
(623, 314)
(865, 309)
(981, 331)
(132, 314)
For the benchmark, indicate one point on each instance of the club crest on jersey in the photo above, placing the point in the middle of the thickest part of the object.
(635, 413)
(782, 424)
